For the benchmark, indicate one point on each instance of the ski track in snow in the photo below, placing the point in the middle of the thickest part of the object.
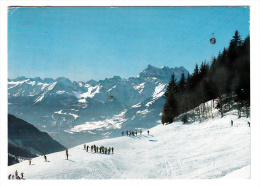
(207, 150)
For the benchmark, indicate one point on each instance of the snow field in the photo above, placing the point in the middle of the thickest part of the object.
(207, 150)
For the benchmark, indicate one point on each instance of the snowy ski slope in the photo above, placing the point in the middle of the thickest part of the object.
(207, 150)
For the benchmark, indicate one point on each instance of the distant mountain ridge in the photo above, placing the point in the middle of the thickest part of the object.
(60, 105)
(150, 71)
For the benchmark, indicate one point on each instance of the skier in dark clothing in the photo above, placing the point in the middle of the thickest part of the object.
(67, 154)
(127, 133)
(248, 123)
(16, 174)
(45, 158)
(22, 175)
(87, 148)
(112, 150)
(30, 161)
(231, 123)
(148, 132)
(9, 176)
(136, 133)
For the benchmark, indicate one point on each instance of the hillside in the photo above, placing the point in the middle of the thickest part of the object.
(207, 150)
(26, 141)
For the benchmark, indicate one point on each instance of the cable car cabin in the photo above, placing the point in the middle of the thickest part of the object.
(110, 98)
(212, 40)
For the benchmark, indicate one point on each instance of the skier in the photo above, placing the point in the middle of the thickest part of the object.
(84, 146)
(231, 123)
(148, 132)
(136, 133)
(67, 154)
(16, 174)
(87, 148)
(12, 177)
(92, 148)
(45, 158)
(109, 150)
(97, 148)
(123, 133)
(9, 177)
(30, 161)
(22, 175)
(248, 123)
(112, 150)
(140, 132)
(127, 133)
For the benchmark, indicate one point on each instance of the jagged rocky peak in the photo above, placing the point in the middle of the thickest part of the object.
(37, 79)
(152, 71)
(22, 78)
(64, 80)
(92, 82)
(112, 80)
(116, 78)
(48, 80)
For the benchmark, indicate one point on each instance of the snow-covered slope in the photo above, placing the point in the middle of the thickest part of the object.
(207, 150)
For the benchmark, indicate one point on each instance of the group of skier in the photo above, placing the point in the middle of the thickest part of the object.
(93, 148)
(101, 149)
(133, 133)
(16, 176)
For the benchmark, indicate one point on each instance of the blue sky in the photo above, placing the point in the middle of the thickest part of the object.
(84, 43)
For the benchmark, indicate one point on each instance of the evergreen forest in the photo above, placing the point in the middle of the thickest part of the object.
(226, 81)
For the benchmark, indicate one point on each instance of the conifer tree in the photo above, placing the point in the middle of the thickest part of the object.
(182, 84)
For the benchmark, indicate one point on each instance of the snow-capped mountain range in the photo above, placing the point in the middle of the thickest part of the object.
(77, 112)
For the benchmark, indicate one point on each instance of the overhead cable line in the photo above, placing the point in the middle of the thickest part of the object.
(184, 36)
(209, 34)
